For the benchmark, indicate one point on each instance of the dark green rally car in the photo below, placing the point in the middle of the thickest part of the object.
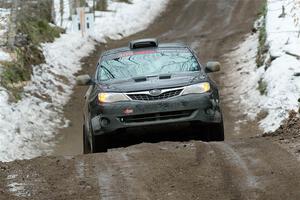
(148, 84)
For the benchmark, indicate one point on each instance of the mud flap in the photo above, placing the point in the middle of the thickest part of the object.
(96, 126)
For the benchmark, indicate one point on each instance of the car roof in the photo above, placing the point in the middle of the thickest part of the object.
(159, 46)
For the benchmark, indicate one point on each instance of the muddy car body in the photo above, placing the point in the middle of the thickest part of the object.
(149, 84)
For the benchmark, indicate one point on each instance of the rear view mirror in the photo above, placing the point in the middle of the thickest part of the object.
(84, 80)
(212, 67)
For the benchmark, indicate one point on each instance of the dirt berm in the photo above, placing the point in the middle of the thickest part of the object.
(238, 169)
(242, 167)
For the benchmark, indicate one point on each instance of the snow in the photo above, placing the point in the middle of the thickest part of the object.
(108, 24)
(244, 76)
(4, 56)
(4, 14)
(62, 19)
(18, 189)
(116, 29)
(29, 127)
(283, 87)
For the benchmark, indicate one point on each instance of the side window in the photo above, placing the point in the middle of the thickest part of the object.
(197, 59)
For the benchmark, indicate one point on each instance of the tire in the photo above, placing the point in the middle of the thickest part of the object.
(98, 143)
(86, 143)
(216, 132)
(88, 147)
(93, 144)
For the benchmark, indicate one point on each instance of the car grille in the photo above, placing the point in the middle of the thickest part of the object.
(156, 116)
(148, 97)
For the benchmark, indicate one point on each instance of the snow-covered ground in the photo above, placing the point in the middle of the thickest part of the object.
(280, 74)
(29, 126)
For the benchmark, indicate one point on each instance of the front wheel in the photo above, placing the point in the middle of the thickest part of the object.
(86, 143)
(97, 144)
(88, 146)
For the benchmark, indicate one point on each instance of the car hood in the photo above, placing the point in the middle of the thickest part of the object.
(176, 80)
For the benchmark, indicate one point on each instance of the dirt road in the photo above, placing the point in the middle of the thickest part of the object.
(211, 27)
(238, 169)
(242, 167)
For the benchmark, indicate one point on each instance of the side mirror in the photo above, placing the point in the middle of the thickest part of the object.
(84, 80)
(212, 67)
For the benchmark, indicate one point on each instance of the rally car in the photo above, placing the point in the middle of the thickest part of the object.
(147, 84)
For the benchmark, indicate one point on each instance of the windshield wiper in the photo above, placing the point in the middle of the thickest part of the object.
(105, 69)
(144, 78)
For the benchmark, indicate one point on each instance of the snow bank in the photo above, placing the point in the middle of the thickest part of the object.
(111, 26)
(279, 73)
(28, 127)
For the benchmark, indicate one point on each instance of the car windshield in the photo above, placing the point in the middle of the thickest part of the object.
(147, 63)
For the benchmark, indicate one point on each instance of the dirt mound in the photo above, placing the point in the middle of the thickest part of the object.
(290, 128)
(288, 134)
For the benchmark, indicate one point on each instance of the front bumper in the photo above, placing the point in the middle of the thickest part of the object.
(131, 114)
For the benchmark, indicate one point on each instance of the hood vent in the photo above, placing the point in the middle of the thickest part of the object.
(140, 79)
(165, 76)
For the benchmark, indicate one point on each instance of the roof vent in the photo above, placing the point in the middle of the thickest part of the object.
(143, 43)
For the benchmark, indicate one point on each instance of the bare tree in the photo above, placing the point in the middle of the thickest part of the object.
(12, 24)
(61, 11)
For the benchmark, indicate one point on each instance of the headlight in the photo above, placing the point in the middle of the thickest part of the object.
(111, 97)
(197, 88)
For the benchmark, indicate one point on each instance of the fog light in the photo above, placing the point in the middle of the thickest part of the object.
(104, 122)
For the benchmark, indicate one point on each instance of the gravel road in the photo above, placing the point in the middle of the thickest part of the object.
(242, 167)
